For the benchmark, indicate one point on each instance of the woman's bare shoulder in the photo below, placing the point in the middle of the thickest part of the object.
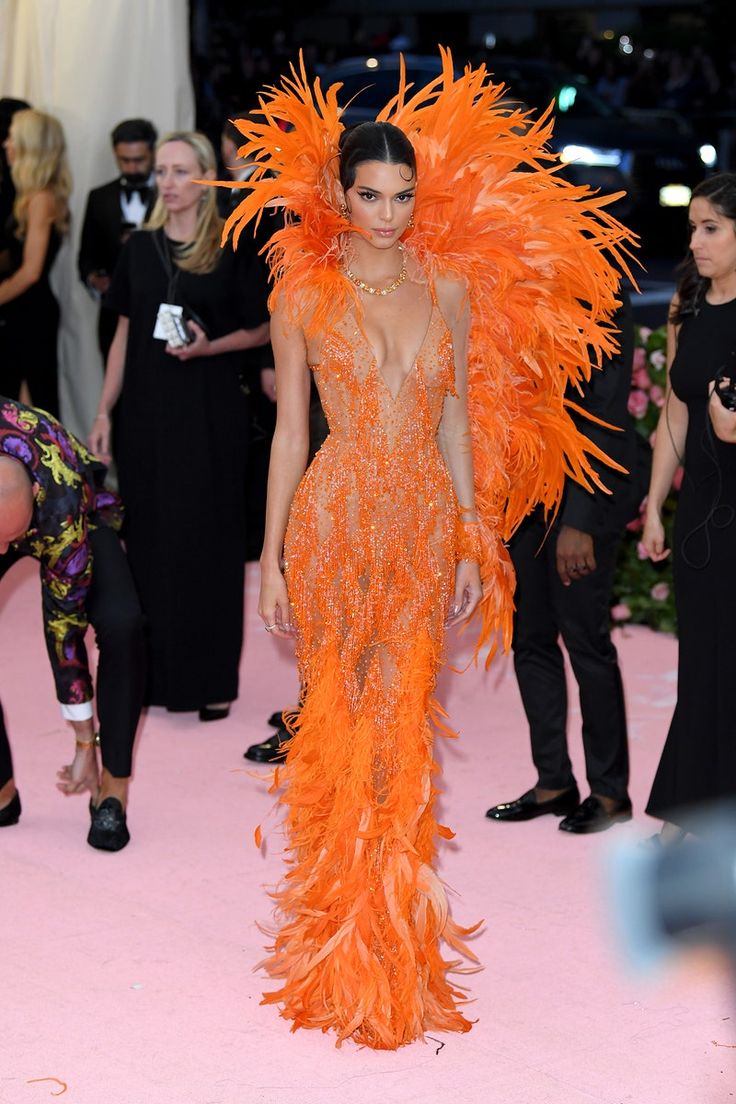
(42, 204)
(452, 297)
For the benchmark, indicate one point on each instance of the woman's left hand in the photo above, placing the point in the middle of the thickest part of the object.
(200, 347)
(468, 592)
(722, 420)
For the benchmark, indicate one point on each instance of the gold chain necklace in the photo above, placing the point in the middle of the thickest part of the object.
(362, 286)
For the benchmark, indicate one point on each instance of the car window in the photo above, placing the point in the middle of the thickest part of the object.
(374, 89)
(537, 87)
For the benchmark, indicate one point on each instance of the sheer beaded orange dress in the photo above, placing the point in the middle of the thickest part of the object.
(375, 529)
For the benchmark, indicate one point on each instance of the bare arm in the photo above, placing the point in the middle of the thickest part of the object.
(455, 444)
(228, 343)
(669, 451)
(289, 454)
(99, 438)
(453, 435)
(41, 212)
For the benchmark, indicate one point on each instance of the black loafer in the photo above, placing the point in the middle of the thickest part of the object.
(11, 813)
(593, 816)
(527, 807)
(270, 750)
(214, 713)
(109, 831)
(278, 719)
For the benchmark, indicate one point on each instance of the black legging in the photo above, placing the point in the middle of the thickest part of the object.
(115, 614)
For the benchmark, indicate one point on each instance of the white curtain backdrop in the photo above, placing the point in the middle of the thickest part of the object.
(92, 63)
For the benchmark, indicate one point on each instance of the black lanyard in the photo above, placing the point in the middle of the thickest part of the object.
(172, 271)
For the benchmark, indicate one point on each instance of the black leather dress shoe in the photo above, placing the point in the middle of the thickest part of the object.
(593, 816)
(278, 719)
(527, 807)
(214, 713)
(109, 831)
(270, 750)
(11, 813)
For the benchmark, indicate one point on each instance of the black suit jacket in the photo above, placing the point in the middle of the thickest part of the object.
(103, 231)
(606, 396)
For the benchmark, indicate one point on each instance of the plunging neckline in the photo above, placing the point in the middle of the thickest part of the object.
(414, 364)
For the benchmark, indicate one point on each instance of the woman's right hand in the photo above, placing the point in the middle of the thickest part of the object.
(273, 604)
(653, 537)
(99, 438)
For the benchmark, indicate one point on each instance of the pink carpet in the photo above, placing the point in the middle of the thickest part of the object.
(129, 977)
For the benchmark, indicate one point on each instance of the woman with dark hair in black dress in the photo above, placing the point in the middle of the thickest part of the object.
(698, 763)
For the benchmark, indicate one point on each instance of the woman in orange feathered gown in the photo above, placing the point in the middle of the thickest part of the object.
(410, 234)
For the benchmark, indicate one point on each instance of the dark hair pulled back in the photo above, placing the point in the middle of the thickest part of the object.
(720, 191)
(373, 142)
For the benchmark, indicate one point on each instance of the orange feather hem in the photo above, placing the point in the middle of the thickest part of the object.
(361, 911)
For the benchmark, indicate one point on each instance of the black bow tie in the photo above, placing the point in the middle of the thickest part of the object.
(143, 190)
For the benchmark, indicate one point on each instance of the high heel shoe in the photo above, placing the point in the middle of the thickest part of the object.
(11, 813)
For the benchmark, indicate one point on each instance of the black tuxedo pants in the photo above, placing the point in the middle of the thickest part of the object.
(579, 614)
(115, 614)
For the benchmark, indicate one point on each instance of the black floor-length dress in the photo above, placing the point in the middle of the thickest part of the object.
(698, 763)
(181, 446)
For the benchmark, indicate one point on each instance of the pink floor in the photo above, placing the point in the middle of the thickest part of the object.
(129, 977)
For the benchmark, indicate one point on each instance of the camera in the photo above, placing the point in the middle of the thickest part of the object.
(725, 384)
(670, 898)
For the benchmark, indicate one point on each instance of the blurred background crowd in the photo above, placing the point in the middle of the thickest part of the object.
(644, 97)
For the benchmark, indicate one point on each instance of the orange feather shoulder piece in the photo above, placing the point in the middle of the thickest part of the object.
(541, 260)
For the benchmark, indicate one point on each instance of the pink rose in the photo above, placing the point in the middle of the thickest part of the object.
(644, 334)
(641, 551)
(659, 592)
(621, 612)
(640, 360)
(641, 379)
(657, 359)
(657, 395)
(638, 403)
(635, 526)
(677, 481)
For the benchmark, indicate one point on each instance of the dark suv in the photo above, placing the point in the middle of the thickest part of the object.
(656, 165)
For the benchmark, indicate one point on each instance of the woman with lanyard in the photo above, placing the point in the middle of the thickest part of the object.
(188, 310)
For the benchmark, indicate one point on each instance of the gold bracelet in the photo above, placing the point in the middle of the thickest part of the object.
(86, 744)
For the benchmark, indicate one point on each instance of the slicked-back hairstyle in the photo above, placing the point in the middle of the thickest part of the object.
(382, 142)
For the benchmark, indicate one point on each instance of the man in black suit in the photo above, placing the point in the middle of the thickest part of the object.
(113, 210)
(564, 583)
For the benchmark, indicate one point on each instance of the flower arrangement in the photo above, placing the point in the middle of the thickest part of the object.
(643, 593)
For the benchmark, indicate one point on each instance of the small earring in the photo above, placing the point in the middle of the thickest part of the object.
(410, 223)
(344, 210)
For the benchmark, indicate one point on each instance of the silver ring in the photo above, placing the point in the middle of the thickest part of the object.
(269, 628)
(579, 567)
